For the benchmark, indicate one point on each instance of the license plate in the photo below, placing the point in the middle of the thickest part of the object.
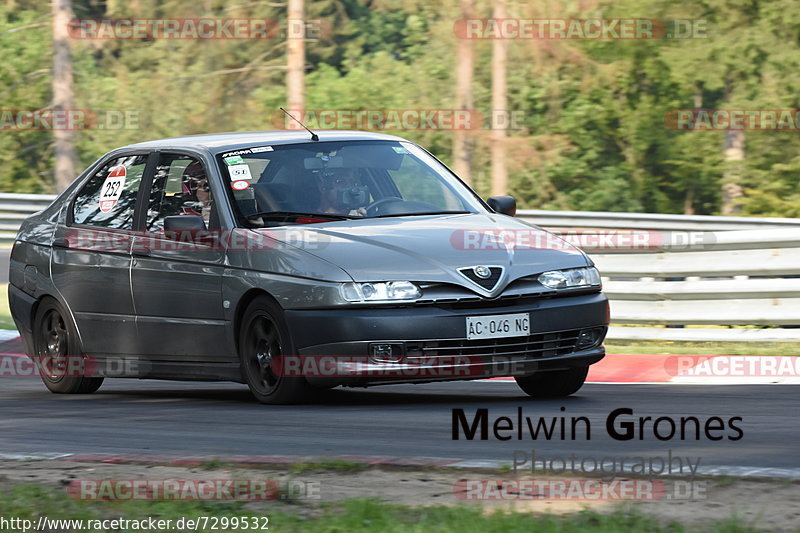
(498, 326)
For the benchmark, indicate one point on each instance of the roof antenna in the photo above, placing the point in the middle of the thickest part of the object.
(314, 136)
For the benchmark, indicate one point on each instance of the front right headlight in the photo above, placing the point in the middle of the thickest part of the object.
(570, 278)
(380, 292)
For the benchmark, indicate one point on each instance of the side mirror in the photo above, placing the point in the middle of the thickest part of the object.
(505, 205)
(188, 229)
(184, 222)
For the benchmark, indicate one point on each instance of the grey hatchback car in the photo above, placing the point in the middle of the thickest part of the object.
(294, 264)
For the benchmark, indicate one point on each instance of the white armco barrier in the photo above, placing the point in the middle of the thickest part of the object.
(14, 208)
(719, 278)
(605, 219)
(694, 271)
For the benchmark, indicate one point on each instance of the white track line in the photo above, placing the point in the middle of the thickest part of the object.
(490, 464)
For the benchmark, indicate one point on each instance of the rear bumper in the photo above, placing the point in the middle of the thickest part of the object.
(430, 343)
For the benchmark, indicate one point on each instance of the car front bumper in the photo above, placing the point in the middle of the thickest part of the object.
(429, 343)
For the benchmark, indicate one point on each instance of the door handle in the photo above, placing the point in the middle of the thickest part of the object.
(142, 253)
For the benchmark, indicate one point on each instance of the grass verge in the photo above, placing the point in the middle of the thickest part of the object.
(702, 348)
(332, 465)
(28, 502)
(6, 322)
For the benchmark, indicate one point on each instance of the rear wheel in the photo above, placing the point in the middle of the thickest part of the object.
(555, 384)
(59, 357)
(263, 340)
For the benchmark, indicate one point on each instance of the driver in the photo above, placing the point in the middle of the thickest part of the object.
(195, 185)
(341, 192)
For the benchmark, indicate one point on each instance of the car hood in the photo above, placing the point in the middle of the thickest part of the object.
(432, 248)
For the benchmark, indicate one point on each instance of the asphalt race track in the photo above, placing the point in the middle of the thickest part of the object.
(221, 419)
(161, 417)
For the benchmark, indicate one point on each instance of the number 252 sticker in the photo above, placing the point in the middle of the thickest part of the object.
(112, 188)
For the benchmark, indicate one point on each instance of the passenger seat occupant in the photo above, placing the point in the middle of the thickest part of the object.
(195, 185)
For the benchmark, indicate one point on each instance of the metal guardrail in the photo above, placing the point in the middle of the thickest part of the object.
(14, 208)
(651, 221)
(690, 271)
(667, 270)
(723, 279)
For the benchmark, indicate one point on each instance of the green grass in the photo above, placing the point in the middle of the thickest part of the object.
(352, 516)
(211, 464)
(6, 322)
(702, 348)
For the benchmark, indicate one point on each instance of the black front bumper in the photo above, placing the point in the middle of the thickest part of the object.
(433, 343)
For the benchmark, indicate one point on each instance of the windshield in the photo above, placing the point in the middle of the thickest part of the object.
(345, 179)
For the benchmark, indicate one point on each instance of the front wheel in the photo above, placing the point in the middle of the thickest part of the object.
(555, 384)
(263, 340)
(62, 366)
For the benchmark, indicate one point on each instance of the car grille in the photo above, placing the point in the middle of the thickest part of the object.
(531, 347)
(487, 283)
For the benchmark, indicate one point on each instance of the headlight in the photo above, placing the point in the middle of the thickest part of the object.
(372, 292)
(567, 279)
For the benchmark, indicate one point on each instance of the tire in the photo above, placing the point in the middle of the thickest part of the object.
(555, 384)
(264, 337)
(56, 346)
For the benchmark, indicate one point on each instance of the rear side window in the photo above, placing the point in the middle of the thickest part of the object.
(108, 199)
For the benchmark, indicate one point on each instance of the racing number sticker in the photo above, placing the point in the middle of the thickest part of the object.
(112, 188)
(239, 172)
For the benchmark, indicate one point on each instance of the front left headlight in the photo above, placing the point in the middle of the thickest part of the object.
(375, 292)
(570, 278)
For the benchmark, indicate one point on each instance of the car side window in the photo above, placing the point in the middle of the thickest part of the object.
(180, 187)
(108, 199)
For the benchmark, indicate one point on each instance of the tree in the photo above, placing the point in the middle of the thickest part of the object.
(499, 107)
(66, 157)
(296, 60)
(462, 151)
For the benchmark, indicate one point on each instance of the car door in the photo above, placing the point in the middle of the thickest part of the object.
(91, 258)
(177, 282)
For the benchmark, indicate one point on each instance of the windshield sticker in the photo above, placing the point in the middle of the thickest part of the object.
(261, 149)
(112, 188)
(239, 172)
(240, 185)
(399, 149)
(237, 152)
(234, 160)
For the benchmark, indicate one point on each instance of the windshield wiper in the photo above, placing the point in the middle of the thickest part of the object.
(423, 213)
(286, 214)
